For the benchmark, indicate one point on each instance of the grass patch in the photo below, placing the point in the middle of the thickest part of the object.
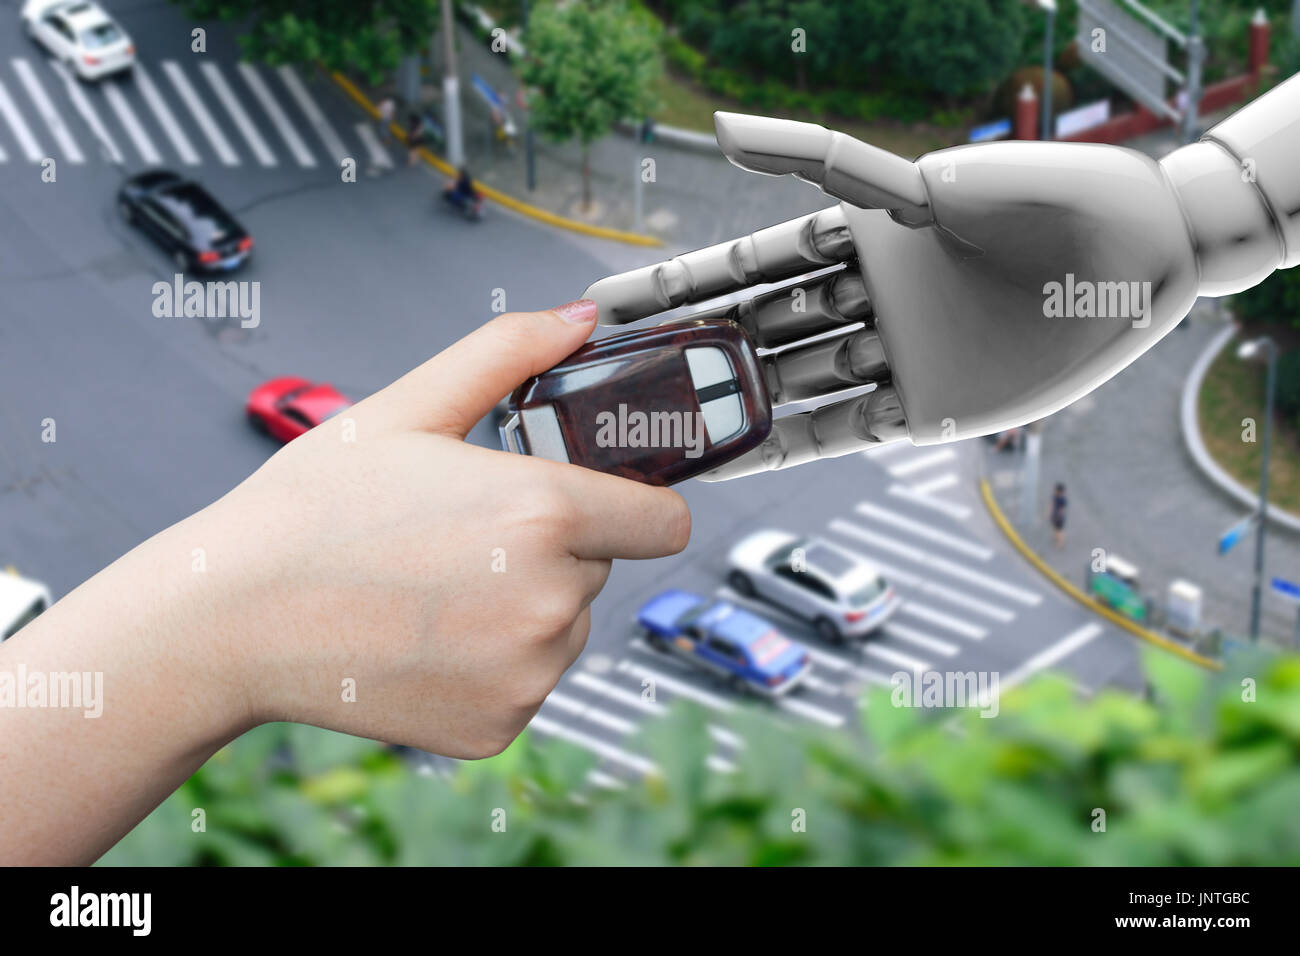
(1233, 389)
(686, 104)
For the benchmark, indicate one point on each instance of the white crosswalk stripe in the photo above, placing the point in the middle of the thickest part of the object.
(225, 152)
(212, 73)
(50, 116)
(88, 113)
(920, 639)
(175, 132)
(1049, 656)
(913, 464)
(939, 483)
(891, 656)
(634, 762)
(22, 132)
(578, 708)
(271, 107)
(333, 145)
(934, 616)
(922, 530)
(378, 155)
(126, 116)
(943, 565)
(950, 508)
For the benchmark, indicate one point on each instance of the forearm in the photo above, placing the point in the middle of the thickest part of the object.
(154, 662)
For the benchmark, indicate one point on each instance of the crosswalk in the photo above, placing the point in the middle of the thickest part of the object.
(959, 598)
(174, 113)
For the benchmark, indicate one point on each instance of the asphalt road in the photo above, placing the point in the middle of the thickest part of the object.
(359, 282)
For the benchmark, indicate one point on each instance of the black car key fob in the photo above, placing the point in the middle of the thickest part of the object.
(657, 405)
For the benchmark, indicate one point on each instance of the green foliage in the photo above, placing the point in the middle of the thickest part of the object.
(592, 63)
(1199, 777)
(1274, 302)
(369, 37)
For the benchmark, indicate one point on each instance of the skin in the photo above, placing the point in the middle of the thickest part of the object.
(370, 560)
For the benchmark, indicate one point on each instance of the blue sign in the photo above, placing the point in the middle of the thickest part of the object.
(995, 130)
(1229, 538)
(489, 95)
(1288, 589)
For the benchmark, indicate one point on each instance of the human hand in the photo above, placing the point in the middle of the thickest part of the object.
(449, 584)
(982, 287)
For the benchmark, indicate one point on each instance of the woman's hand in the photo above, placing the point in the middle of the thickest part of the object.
(377, 576)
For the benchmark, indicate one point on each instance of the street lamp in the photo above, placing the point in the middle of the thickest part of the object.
(1048, 7)
(1250, 350)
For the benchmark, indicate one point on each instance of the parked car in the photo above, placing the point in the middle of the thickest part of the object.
(285, 408)
(837, 591)
(80, 35)
(182, 217)
(21, 600)
(729, 642)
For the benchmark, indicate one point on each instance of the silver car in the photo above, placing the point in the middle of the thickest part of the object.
(841, 594)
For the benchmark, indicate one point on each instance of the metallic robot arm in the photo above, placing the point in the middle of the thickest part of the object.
(981, 287)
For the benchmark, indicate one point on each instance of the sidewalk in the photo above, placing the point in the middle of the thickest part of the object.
(696, 198)
(1134, 491)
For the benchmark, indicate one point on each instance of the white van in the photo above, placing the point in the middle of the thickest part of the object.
(21, 599)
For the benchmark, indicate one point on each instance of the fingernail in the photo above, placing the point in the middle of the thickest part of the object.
(581, 312)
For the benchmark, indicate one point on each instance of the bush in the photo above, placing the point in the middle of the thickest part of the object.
(1288, 382)
(1199, 777)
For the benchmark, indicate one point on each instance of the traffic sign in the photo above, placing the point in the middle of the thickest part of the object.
(1229, 538)
(1287, 589)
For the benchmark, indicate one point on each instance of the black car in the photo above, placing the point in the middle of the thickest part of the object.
(185, 220)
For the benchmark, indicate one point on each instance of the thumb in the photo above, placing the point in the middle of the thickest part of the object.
(461, 384)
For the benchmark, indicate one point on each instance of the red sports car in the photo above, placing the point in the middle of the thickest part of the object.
(285, 408)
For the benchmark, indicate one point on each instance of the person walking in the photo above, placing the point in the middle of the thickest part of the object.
(1057, 516)
(387, 110)
(415, 133)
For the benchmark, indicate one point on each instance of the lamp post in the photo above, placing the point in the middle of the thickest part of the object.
(1048, 7)
(1250, 350)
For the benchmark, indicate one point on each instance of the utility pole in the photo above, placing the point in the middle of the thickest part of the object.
(1195, 57)
(1049, 7)
(1247, 351)
(530, 145)
(451, 89)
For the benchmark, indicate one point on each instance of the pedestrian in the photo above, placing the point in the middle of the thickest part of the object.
(415, 133)
(1057, 516)
(387, 110)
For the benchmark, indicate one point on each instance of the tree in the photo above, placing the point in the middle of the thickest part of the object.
(960, 47)
(591, 64)
(1207, 773)
(370, 36)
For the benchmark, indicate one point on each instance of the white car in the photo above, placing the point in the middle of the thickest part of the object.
(21, 600)
(837, 591)
(80, 35)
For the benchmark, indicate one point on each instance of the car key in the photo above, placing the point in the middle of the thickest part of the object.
(657, 405)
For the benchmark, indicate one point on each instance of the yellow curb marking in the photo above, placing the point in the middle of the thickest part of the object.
(519, 206)
(1059, 580)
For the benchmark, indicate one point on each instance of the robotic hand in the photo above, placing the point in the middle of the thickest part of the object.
(981, 287)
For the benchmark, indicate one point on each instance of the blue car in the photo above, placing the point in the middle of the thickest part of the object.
(728, 641)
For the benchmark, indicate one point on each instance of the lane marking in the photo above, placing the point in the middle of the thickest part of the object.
(217, 80)
(926, 488)
(918, 556)
(934, 616)
(897, 658)
(166, 118)
(126, 116)
(634, 762)
(378, 155)
(802, 708)
(949, 508)
(333, 145)
(1051, 655)
(906, 578)
(578, 708)
(271, 106)
(922, 462)
(22, 132)
(905, 633)
(922, 530)
(635, 701)
(225, 152)
(44, 106)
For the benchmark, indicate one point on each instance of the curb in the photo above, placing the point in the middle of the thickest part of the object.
(500, 198)
(1119, 620)
(1191, 425)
